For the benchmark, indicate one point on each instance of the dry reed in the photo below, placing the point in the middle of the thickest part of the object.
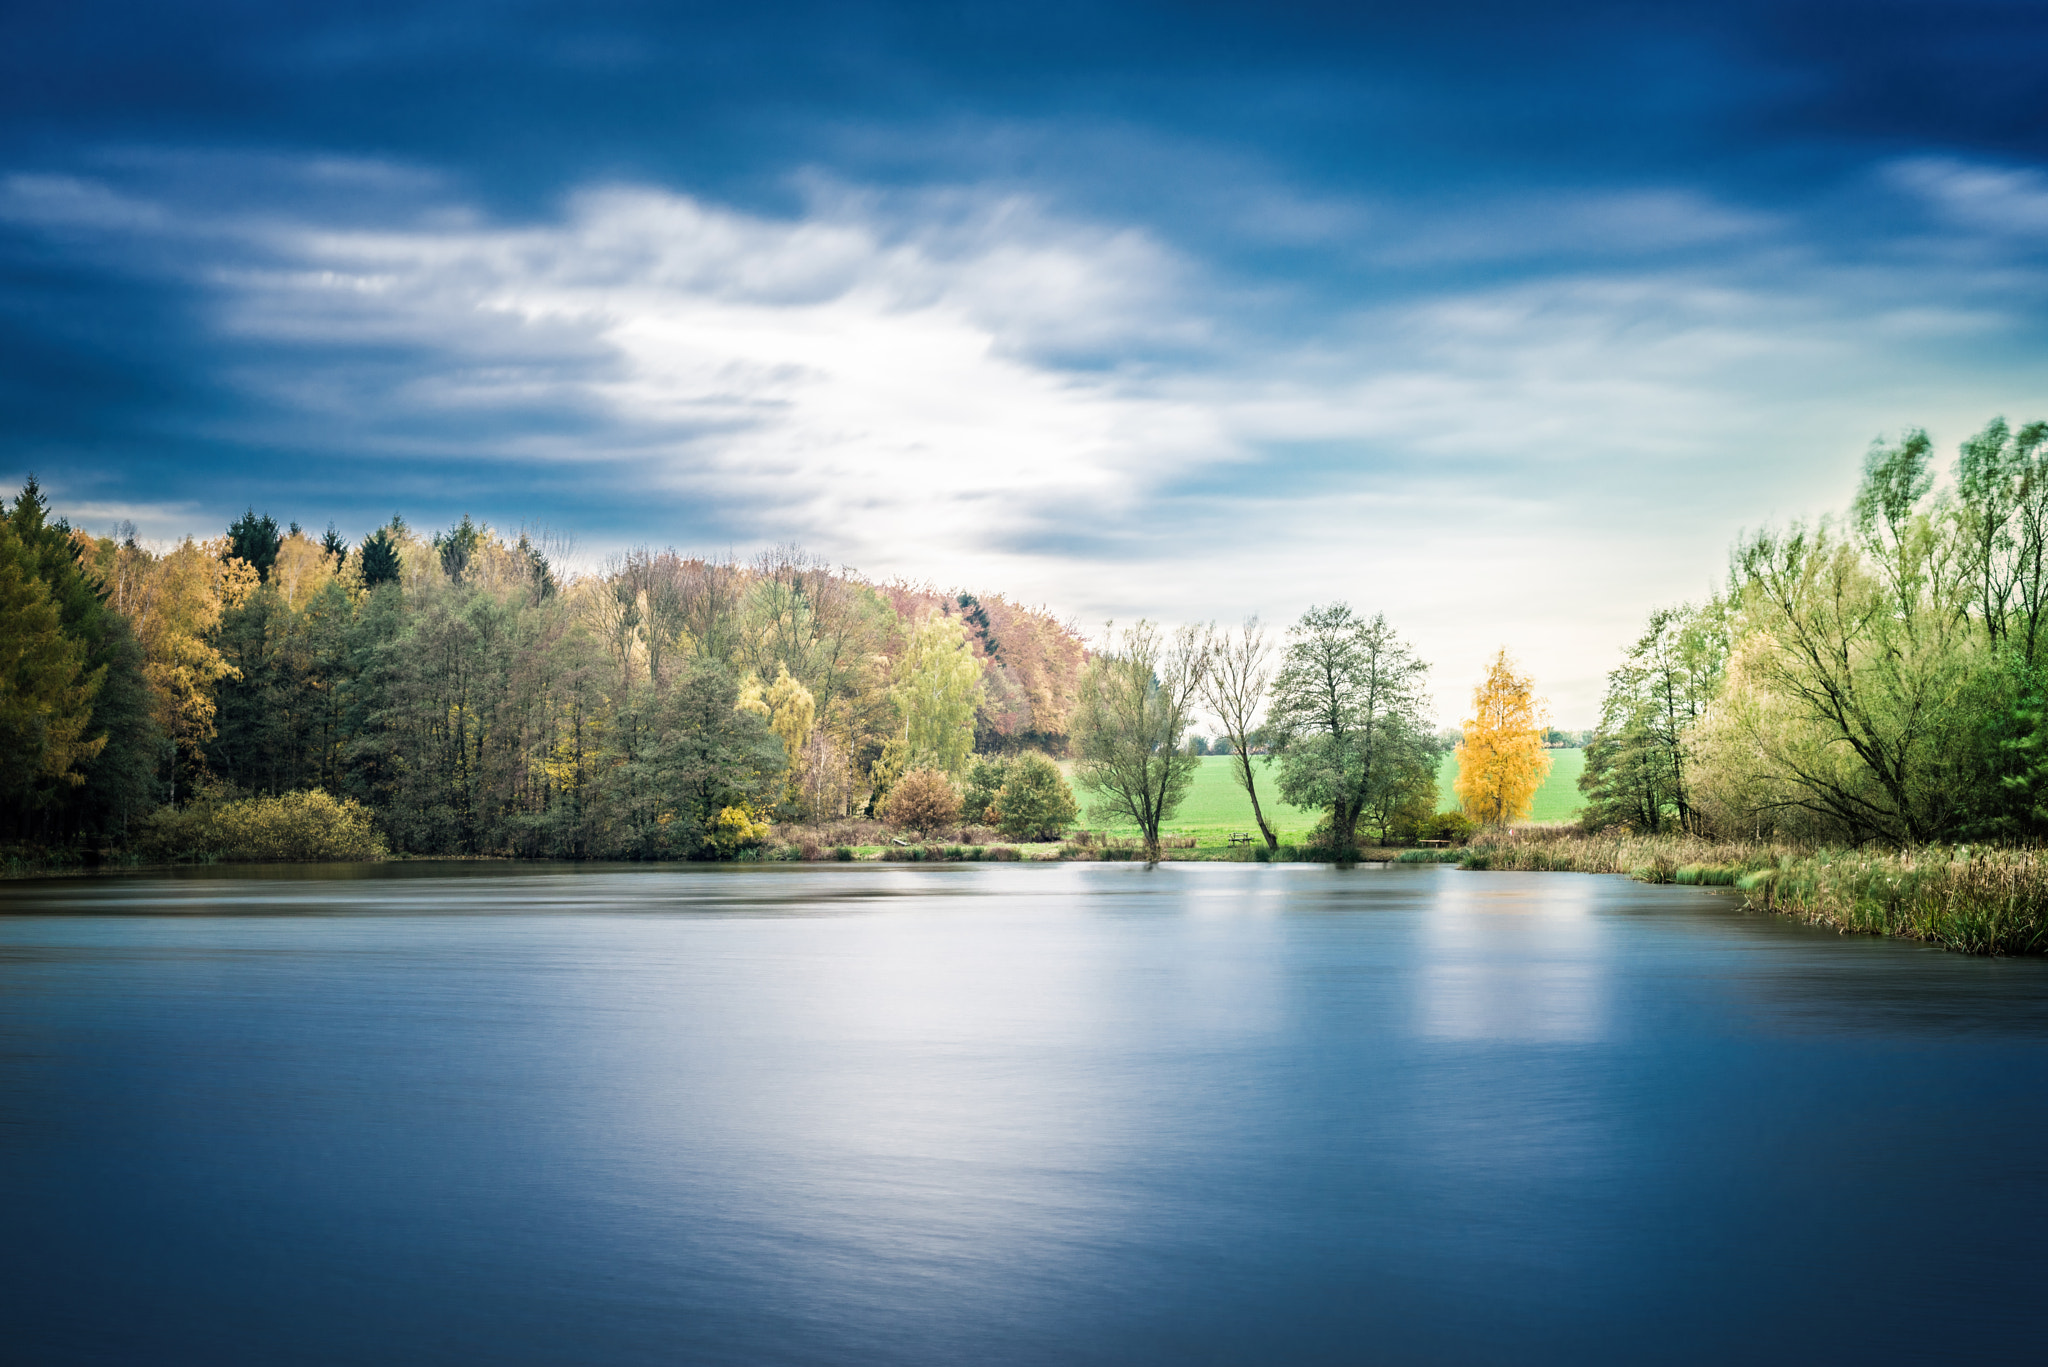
(1974, 899)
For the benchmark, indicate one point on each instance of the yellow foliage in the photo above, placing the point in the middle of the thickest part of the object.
(738, 828)
(753, 698)
(1501, 762)
(302, 570)
(174, 606)
(791, 713)
(937, 687)
(297, 827)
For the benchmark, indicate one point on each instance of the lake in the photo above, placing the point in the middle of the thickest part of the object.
(494, 1113)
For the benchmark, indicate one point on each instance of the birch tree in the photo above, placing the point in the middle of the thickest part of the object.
(1235, 690)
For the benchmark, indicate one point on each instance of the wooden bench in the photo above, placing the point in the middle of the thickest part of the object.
(1434, 844)
(1240, 837)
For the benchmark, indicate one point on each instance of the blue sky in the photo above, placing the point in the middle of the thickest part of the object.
(1501, 319)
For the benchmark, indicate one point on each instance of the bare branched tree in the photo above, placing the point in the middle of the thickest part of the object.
(1235, 689)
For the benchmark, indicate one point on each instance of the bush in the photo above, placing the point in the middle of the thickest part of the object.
(739, 830)
(296, 828)
(984, 780)
(1455, 827)
(923, 801)
(1035, 802)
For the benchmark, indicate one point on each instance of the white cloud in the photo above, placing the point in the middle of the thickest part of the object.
(1992, 199)
(976, 390)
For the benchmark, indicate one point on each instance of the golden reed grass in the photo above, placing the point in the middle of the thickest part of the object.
(1977, 899)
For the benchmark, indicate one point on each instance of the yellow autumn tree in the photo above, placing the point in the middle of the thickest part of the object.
(301, 570)
(177, 602)
(1501, 762)
(792, 714)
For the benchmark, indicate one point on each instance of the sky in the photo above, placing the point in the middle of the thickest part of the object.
(1503, 320)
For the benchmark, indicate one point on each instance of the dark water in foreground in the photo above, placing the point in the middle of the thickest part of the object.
(1078, 1114)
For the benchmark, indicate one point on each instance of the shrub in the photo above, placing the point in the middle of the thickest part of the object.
(738, 830)
(852, 832)
(308, 827)
(985, 778)
(844, 854)
(1004, 853)
(923, 801)
(1455, 827)
(1035, 802)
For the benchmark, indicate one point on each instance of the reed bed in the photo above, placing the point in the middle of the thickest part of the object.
(1976, 899)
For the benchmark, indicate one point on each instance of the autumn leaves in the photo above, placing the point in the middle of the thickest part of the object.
(1501, 760)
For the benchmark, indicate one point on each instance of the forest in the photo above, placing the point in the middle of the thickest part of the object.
(460, 694)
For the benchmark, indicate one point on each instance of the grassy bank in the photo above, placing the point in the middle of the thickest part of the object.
(1974, 899)
(1216, 806)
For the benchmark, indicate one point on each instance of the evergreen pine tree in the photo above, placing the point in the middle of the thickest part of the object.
(380, 558)
(255, 541)
(46, 690)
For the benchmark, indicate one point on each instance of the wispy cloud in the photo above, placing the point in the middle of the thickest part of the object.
(2000, 200)
(974, 386)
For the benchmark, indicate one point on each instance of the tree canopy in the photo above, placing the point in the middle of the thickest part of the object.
(1347, 716)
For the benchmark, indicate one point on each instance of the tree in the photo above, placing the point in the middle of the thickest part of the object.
(255, 541)
(1501, 762)
(1235, 690)
(379, 558)
(459, 545)
(704, 779)
(1034, 802)
(1402, 794)
(1346, 711)
(112, 782)
(1639, 764)
(300, 569)
(1857, 679)
(923, 800)
(2000, 518)
(177, 608)
(1137, 697)
(937, 686)
(985, 779)
(46, 690)
(790, 711)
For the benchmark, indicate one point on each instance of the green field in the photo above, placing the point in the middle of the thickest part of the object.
(1558, 799)
(1216, 806)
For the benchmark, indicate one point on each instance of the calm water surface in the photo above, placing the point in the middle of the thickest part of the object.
(986, 1114)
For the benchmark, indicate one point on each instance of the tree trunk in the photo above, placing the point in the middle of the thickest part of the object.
(1244, 770)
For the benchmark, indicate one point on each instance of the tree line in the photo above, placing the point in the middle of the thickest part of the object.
(474, 699)
(478, 699)
(1872, 676)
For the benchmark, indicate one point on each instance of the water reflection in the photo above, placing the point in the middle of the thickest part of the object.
(1512, 958)
(1073, 1114)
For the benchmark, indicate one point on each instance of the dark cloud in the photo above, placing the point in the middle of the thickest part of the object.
(1252, 261)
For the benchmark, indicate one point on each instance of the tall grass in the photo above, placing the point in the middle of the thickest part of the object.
(1974, 899)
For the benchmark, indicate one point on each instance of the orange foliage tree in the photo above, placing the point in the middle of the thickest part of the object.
(1501, 762)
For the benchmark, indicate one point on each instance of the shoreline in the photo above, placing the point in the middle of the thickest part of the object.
(1980, 900)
